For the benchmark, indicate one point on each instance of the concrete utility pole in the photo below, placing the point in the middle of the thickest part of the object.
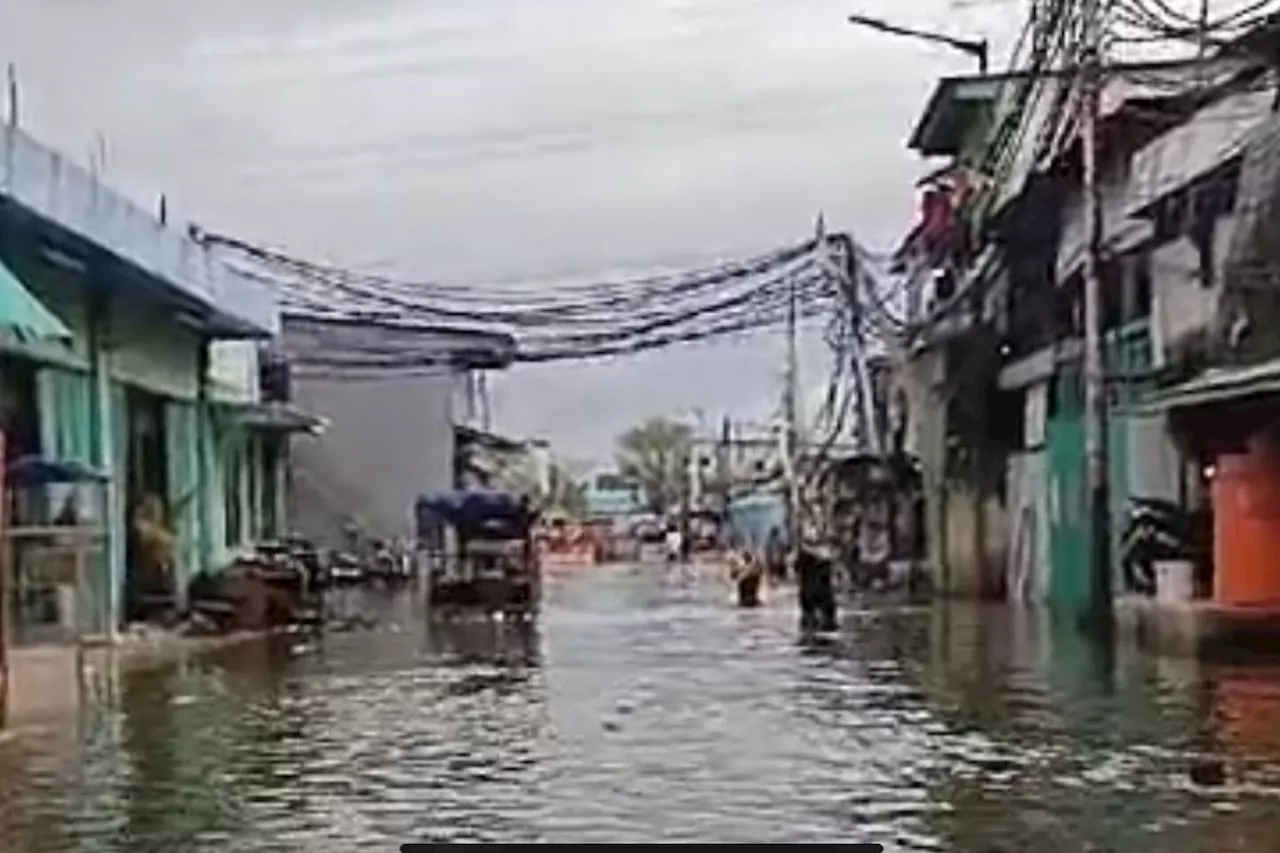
(1095, 382)
(790, 405)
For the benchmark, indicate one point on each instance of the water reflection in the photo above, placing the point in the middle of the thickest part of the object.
(644, 708)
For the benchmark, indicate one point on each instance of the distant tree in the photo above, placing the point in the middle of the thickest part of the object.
(655, 454)
(567, 494)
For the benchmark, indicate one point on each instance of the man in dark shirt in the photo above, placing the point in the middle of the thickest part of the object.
(817, 592)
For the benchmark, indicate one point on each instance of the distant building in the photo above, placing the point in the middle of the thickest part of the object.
(611, 496)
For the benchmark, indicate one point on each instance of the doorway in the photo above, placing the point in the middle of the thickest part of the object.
(148, 570)
(18, 413)
(31, 603)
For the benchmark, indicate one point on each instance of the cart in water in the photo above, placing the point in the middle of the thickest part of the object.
(479, 554)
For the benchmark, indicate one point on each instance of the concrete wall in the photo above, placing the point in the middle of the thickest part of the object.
(390, 439)
(390, 436)
(1027, 562)
(1181, 302)
(977, 533)
(919, 378)
(1155, 464)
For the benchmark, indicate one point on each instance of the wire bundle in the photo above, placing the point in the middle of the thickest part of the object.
(555, 322)
(1147, 21)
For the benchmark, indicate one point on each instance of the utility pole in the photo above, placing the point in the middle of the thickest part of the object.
(1095, 381)
(790, 410)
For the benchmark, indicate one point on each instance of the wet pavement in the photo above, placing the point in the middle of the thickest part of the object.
(644, 708)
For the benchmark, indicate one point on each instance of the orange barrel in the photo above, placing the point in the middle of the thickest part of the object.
(1246, 529)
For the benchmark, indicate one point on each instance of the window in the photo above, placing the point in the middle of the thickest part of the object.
(1139, 287)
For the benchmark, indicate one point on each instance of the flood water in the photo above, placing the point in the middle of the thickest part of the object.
(645, 709)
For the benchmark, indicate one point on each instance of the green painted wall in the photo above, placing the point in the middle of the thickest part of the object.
(145, 348)
(1128, 353)
(1068, 522)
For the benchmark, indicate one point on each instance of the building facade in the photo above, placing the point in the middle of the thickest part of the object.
(150, 386)
(993, 374)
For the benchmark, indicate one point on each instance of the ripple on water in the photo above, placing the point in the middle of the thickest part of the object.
(645, 709)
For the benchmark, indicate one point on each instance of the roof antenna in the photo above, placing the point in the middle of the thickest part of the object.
(98, 157)
(12, 117)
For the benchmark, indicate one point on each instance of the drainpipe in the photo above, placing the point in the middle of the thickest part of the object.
(103, 423)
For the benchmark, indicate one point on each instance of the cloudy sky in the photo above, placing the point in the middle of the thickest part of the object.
(481, 140)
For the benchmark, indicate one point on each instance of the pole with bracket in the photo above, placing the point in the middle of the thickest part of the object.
(1097, 483)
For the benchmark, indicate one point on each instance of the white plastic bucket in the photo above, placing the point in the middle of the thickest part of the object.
(1175, 580)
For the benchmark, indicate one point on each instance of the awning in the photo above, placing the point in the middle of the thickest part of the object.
(280, 417)
(1218, 385)
(23, 314)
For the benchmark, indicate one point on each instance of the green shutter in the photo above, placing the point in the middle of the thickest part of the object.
(66, 415)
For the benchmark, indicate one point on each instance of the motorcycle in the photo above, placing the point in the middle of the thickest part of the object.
(1158, 530)
(390, 564)
(346, 569)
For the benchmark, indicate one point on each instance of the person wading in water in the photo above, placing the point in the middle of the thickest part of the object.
(775, 555)
(745, 572)
(814, 572)
(675, 545)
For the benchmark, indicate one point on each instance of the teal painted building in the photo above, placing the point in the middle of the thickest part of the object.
(608, 504)
(157, 386)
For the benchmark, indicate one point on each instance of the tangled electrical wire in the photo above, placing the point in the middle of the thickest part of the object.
(553, 322)
(1148, 21)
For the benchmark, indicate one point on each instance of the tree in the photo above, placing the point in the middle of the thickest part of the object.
(567, 494)
(656, 454)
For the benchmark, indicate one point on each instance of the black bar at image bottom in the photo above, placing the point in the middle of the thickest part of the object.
(844, 847)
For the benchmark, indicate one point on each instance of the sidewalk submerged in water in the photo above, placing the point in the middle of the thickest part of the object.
(1200, 629)
(50, 684)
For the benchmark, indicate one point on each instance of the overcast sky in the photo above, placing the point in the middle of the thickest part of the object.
(475, 140)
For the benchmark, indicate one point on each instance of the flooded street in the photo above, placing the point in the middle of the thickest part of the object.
(645, 709)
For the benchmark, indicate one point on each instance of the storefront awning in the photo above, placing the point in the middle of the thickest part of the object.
(24, 315)
(281, 417)
(1218, 385)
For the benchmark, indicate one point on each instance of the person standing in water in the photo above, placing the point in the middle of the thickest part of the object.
(675, 544)
(817, 590)
(745, 571)
(775, 554)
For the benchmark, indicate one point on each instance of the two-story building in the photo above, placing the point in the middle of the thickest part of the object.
(993, 376)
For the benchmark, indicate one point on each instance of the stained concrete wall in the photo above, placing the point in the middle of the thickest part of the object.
(389, 439)
(919, 377)
(390, 435)
(976, 542)
(1027, 561)
(1182, 302)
